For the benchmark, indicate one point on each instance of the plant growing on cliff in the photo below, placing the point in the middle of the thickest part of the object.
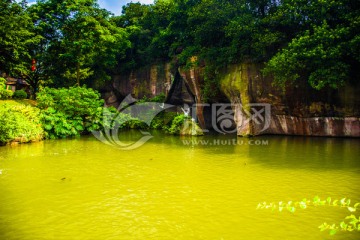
(348, 224)
(163, 120)
(183, 125)
(176, 124)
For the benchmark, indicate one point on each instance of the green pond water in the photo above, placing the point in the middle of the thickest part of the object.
(84, 189)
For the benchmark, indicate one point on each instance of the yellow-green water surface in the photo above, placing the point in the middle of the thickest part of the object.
(84, 189)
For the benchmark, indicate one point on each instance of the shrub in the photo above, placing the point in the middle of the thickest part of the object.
(70, 112)
(163, 120)
(20, 94)
(19, 123)
(158, 98)
(59, 125)
(2, 83)
(183, 125)
(176, 124)
(6, 94)
(113, 119)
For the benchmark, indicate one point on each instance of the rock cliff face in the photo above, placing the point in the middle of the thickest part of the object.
(297, 110)
(148, 81)
(315, 126)
(194, 79)
(257, 107)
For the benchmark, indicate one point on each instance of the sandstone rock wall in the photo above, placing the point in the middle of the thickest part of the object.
(296, 110)
(148, 81)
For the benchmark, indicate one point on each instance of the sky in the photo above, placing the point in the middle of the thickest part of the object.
(114, 6)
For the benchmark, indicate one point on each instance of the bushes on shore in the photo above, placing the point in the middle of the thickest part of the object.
(74, 111)
(19, 123)
(60, 113)
(71, 112)
(4, 93)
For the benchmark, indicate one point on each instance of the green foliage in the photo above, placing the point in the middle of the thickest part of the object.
(316, 55)
(70, 112)
(132, 20)
(71, 41)
(19, 123)
(76, 41)
(59, 125)
(112, 119)
(163, 120)
(79, 110)
(177, 124)
(350, 223)
(315, 42)
(16, 35)
(18, 42)
(211, 88)
(4, 93)
(158, 98)
(20, 94)
(183, 125)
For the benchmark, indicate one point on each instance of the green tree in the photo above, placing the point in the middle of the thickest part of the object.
(80, 42)
(132, 20)
(326, 52)
(16, 37)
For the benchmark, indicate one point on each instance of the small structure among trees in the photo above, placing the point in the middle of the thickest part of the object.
(14, 84)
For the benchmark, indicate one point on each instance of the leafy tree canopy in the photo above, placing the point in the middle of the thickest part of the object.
(300, 40)
(16, 35)
(76, 42)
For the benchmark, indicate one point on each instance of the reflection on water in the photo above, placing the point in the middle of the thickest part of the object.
(174, 187)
